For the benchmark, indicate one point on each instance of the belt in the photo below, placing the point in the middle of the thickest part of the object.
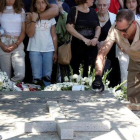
(9, 36)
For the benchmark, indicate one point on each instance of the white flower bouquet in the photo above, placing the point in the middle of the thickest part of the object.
(5, 83)
(75, 80)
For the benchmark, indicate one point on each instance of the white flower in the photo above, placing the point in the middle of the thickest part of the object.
(4, 73)
(66, 79)
(75, 76)
(84, 79)
(59, 89)
(79, 79)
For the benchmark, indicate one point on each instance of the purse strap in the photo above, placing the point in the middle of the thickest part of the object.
(76, 14)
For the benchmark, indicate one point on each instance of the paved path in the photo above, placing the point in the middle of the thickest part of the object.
(31, 106)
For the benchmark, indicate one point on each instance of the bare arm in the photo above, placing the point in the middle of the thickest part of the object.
(121, 3)
(4, 47)
(22, 35)
(70, 28)
(97, 31)
(94, 41)
(100, 61)
(20, 39)
(50, 13)
(30, 24)
(54, 38)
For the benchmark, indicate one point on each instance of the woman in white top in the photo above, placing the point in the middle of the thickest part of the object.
(42, 44)
(12, 20)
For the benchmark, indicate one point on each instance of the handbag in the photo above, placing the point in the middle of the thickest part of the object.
(64, 51)
(64, 54)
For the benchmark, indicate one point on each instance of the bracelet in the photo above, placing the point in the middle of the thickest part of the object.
(33, 21)
(16, 44)
(95, 37)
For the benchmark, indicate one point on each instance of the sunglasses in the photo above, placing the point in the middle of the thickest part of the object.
(124, 30)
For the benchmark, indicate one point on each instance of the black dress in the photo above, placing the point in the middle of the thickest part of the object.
(86, 24)
(114, 76)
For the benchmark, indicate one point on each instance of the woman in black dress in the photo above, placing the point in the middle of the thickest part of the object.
(106, 19)
(85, 35)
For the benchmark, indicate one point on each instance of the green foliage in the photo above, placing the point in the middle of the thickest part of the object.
(81, 70)
(121, 86)
(89, 71)
(123, 94)
(105, 76)
(71, 70)
(93, 75)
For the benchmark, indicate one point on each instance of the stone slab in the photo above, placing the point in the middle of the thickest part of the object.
(26, 112)
(65, 133)
(85, 126)
(75, 106)
(36, 127)
(54, 110)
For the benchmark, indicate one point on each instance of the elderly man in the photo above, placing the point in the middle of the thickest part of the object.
(126, 33)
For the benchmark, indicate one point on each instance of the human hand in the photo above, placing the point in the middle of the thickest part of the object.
(94, 42)
(122, 50)
(5, 48)
(59, 3)
(34, 16)
(55, 57)
(97, 84)
(12, 47)
(100, 44)
(28, 17)
(87, 41)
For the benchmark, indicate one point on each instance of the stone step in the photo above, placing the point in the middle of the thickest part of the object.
(37, 126)
(66, 128)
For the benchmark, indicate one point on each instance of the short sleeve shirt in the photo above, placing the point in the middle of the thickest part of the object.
(42, 39)
(86, 23)
(133, 49)
(11, 22)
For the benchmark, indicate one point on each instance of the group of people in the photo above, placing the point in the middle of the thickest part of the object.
(97, 33)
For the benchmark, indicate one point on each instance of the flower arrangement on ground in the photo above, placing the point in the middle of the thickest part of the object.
(75, 79)
(120, 91)
(5, 83)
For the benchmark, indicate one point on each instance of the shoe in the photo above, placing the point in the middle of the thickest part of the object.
(39, 82)
(97, 84)
(46, 79)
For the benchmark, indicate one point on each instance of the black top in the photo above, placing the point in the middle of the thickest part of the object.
(104, 31)
(86, 23)
(103, 35)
